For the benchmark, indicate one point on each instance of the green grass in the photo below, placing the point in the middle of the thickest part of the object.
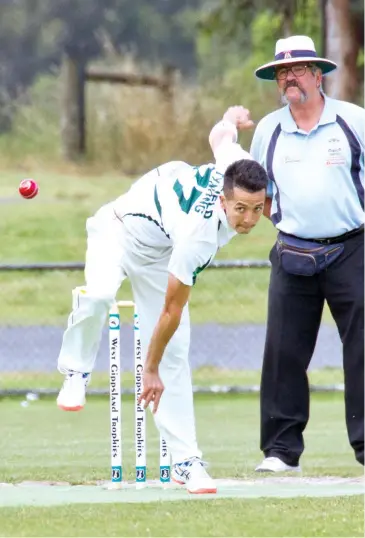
(51, 228)
(41, 443)
(340, 516)
(224, 296)
(202, 377)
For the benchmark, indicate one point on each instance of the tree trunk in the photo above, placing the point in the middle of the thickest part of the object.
(73, 108)
(341, 47)
(288, 16)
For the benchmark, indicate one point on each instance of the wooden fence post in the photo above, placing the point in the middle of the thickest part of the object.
(73, 108)
(74, 77)
(167, 90)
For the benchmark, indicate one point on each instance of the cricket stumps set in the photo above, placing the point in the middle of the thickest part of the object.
(115, 389)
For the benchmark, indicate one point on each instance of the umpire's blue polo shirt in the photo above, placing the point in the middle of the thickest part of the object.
(316, 178)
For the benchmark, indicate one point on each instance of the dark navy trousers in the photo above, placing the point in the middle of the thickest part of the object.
(294, 316)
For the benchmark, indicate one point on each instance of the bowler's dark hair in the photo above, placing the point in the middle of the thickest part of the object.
(244, 174)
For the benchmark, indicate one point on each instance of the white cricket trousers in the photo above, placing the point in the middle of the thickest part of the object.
(113, 255)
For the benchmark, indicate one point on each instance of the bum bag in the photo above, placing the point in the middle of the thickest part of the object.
(306, 258)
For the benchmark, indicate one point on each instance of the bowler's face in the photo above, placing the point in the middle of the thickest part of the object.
(243, 209)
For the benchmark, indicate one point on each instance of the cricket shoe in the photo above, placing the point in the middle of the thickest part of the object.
(73, 391)
(276, 465)
(193, 475)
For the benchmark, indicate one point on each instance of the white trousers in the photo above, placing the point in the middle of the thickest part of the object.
(113, 255)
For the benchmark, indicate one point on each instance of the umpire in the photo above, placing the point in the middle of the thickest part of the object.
(313, 152)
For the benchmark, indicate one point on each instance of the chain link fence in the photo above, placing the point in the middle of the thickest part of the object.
(228, 310)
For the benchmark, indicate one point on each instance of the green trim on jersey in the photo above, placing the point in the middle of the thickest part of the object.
(201, 181)
(157, 202)
(200, 269)
(149, 218)
(186, 203)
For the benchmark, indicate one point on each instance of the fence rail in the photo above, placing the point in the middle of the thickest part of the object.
(31, 394)
(79, 266)
(27, 350)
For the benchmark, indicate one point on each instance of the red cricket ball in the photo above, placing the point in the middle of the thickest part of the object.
(28, 188)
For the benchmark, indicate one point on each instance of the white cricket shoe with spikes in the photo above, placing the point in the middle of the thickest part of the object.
(73, 392)
(193, 475)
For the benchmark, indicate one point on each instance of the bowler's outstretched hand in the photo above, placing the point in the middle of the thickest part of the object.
(152, 390)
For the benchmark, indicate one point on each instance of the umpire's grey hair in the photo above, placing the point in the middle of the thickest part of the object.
(314, 69)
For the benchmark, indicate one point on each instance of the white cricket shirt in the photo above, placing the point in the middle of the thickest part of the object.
(178, 205)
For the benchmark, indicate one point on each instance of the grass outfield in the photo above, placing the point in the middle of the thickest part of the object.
(338, 516)
(51, 228)
(41, 443)
(44, 298)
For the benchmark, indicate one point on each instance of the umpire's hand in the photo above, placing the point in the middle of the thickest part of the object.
(152, 389)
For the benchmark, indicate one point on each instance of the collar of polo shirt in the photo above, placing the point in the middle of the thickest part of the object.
(328, 116)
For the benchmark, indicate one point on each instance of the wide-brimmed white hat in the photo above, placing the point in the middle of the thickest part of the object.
(293, 50)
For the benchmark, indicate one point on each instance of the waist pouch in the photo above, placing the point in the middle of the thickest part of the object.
(306, 258)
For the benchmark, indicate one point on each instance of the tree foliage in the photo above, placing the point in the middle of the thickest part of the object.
(246, 31)
(215, 37)
(34, 34)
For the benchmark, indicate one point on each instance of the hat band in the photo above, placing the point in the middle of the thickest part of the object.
(295, 54)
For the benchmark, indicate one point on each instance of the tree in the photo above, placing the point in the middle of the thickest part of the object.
(340, 32)
(232, 19)
(249, 28)
(342, 46)
(34, 34)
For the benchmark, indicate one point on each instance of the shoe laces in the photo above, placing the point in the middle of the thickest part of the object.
(190, 461)
(70, 375)
(183, 468)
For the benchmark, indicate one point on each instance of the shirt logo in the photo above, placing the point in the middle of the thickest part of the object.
(335, 155)
(291, 159)
(335, 160)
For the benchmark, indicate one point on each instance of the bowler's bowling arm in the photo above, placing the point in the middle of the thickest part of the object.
(177, 295)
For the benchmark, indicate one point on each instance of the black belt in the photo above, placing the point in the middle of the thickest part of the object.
(339, 238)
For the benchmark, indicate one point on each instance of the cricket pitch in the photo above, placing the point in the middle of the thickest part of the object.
(58, 493)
